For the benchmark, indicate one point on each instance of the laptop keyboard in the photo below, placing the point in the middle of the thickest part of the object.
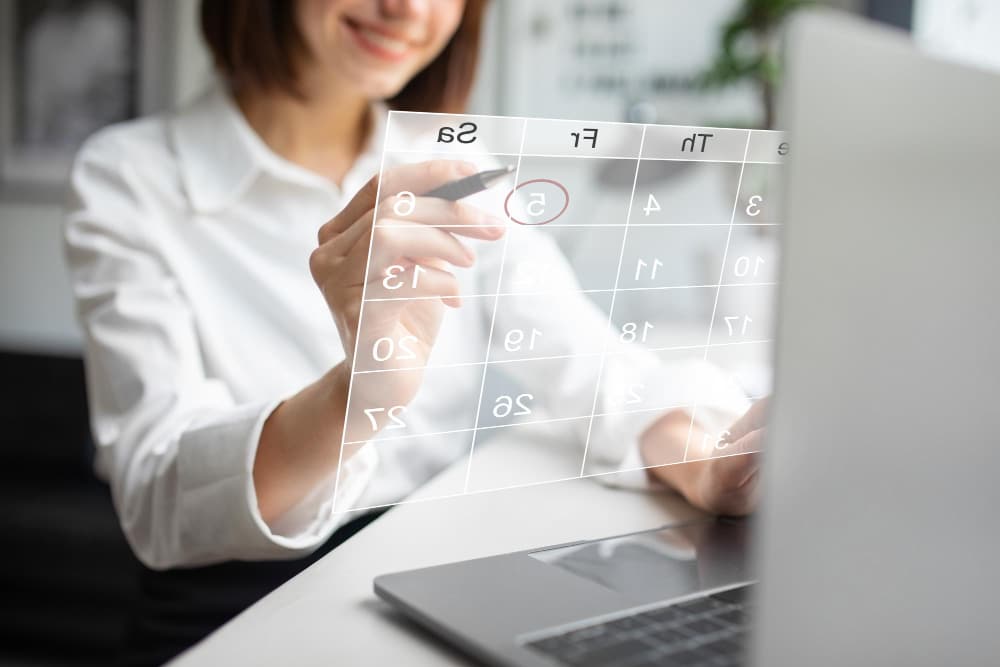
(707, 631)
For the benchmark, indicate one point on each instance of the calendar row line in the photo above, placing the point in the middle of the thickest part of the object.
(610, 290)
(468, 154)
(556, 357)
(503, 223)
(534, 422)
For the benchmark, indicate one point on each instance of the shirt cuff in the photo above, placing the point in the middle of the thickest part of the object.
(223, 520)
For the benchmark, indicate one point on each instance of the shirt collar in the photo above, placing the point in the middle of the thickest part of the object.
(220, 155)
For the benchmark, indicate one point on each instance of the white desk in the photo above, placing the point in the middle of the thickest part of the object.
(328, 615)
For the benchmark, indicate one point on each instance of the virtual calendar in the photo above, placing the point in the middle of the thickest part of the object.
(631, 277)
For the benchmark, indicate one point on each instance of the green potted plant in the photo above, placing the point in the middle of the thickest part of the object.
(748, 50)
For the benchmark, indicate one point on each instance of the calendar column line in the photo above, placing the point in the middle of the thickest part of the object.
(361, 316)
(493, 317)
(718, 290)
(611, 307)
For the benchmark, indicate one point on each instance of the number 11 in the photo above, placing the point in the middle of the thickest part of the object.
(641, 264)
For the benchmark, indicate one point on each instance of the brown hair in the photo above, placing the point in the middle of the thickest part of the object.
(257, 43)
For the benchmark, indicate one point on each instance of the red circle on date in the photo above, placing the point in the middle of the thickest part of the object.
(506, 202)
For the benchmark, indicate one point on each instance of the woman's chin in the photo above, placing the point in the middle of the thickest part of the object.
(379, 86)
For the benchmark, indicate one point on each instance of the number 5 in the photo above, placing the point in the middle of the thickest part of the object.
(536, 206)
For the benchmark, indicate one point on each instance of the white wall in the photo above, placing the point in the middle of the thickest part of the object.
(967, 31)
(36, 309)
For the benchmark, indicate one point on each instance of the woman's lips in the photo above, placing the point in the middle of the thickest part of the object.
(378, 43)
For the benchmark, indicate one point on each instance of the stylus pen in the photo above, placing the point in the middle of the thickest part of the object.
(470, 185)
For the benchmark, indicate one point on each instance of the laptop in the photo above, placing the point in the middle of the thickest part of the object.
(877, 542)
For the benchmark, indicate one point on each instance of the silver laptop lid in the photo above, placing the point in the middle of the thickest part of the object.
(881, 535)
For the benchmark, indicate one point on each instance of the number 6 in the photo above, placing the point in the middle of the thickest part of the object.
(405, 202)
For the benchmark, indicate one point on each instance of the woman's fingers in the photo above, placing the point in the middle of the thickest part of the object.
(414, 178)
(363, 201)
(397, 242)
(423, 281)
(749, 443)
(421, 177)
(350, 240)
(452, 216)
(730, 484)
(755, 418)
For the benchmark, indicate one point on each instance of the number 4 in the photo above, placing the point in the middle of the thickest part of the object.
(652, 205)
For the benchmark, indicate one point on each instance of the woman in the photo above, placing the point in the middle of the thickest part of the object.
(217, 370)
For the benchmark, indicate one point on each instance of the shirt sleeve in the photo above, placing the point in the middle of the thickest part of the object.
(174, 444)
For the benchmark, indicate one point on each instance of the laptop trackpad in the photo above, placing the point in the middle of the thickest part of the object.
(661, 564)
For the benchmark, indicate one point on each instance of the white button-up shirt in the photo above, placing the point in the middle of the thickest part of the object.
(188, 241)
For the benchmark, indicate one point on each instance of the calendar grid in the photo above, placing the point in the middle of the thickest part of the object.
(533, 422)
(581, 291)
(687, 300)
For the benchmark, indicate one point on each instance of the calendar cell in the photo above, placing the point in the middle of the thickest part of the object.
(749, 366)
(637, 381)
(752, 257)
(379, 408)
(660, 257)
(760, 195)
(707, 144)
(520, 333)
(684, 193)
(410, 260)
(744, 314)
(557, 456)
(562, 192)
(538, 391)
(526, 270)
(581, 139)
(604, 453)
(434, 455)
(663, 318)
(424, 134)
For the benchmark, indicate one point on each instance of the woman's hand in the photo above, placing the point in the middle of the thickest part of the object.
(300, 444)
(410, 261)
(723, 484)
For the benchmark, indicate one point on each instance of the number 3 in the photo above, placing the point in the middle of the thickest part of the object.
(753, 208)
